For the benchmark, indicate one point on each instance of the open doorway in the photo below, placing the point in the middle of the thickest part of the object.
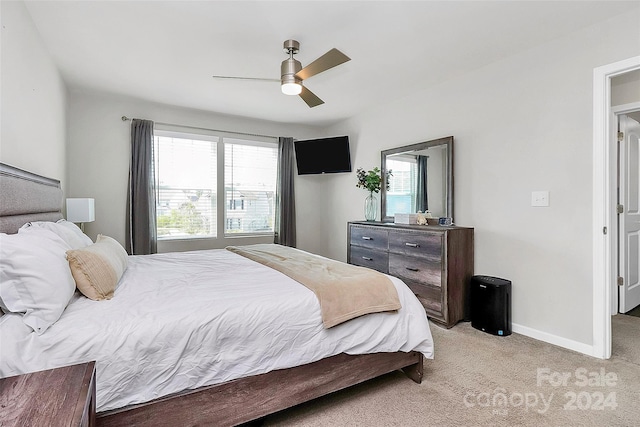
(605, 224)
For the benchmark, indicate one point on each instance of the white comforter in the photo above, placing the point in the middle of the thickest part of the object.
(184, 320)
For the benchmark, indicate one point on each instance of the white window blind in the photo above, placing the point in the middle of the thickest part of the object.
(250, 173)
(186, 186)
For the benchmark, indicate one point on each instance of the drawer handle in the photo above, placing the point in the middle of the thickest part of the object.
(366, 258)
(412, 269)
(366, 238)
(413, 245)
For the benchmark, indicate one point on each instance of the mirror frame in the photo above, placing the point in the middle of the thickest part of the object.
(448, 141)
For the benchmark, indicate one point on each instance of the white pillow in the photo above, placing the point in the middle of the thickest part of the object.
(68, 231)
(35, 278)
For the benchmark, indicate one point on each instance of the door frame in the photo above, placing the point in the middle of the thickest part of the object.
(605, 230)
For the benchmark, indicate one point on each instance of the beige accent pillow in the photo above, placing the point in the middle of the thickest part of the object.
(97, 268)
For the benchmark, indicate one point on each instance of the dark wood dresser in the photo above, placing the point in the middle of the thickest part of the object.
(436, 262)
(56, 397)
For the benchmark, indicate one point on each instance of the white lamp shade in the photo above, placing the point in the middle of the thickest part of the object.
(81, 210)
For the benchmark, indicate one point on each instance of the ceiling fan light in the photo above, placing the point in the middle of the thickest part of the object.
(291, 88)
(291, 85)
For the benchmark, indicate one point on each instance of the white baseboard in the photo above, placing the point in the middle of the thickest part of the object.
(553, 339)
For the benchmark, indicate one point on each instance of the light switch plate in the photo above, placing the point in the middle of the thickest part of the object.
(540, 198)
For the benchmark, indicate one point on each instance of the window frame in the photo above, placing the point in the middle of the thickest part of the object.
(195, 136)
(255, 143)
(413, 162)
(221, 237)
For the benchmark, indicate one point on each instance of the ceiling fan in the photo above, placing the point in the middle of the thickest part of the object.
(292, 74)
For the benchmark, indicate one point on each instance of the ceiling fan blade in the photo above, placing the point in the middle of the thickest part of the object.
(310, 98)
(329, 60)
(246, 78)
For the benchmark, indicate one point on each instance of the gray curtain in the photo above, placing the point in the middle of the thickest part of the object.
(285, 227)
(141, 198)
(422, 203)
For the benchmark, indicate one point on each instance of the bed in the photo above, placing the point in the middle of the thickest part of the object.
(206, 345)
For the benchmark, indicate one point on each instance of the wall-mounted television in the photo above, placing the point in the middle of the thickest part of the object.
(324, 155)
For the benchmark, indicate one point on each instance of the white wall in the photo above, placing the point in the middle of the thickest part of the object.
(520, 125)
(33, 98)
(99, 150)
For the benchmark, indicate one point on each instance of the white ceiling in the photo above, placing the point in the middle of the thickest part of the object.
(167, 51)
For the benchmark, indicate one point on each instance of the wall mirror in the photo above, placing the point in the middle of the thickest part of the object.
(421, 179)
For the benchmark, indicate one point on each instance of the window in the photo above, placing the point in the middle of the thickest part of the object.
(401, 193)
(250, 173)
(195, 174)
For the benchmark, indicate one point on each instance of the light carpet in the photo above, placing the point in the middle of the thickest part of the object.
(477, 379)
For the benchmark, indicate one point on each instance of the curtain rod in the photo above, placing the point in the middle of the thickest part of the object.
(125, 119)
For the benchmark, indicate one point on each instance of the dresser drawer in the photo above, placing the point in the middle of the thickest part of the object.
(429, 296)
(372, 258)
(370, 238)
(424, 245)
(416, 269)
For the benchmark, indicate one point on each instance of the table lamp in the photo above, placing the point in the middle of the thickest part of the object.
(81, 210)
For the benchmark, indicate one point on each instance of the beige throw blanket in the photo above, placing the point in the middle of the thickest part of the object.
(344, 291)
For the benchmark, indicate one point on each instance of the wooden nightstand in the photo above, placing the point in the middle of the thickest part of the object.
(56, 397)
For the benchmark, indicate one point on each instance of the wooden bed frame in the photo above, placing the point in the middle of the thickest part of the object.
(25, 197)
(251, 398)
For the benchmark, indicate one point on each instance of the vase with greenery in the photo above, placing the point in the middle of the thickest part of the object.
(372, 182)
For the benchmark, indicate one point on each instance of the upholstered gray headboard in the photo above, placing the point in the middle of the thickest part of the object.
(26, 197)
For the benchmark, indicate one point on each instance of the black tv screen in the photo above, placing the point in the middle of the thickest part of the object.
(324, 155)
